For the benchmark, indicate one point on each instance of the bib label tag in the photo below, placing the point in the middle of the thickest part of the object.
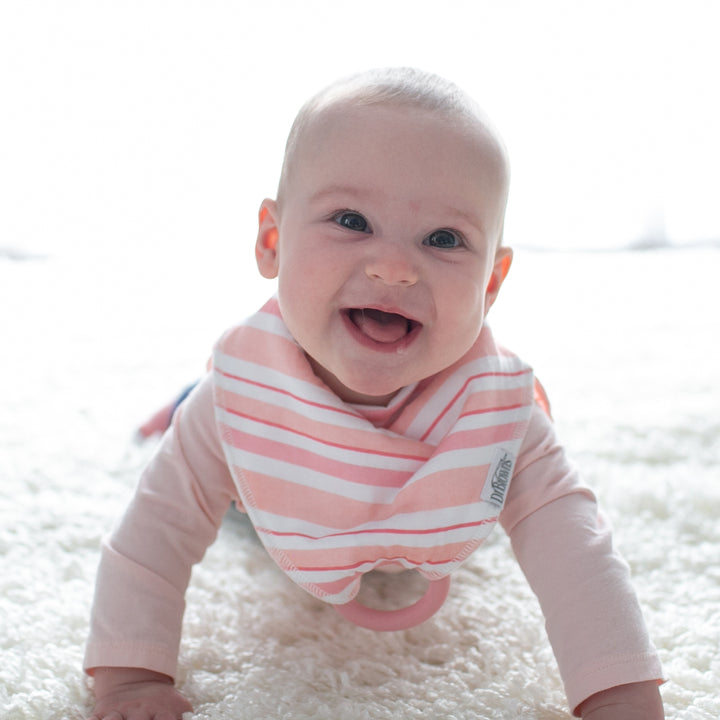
(498, 478)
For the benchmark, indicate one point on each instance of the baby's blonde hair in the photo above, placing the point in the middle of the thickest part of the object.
(400, 86)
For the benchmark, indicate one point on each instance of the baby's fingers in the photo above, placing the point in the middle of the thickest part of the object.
(138, 715)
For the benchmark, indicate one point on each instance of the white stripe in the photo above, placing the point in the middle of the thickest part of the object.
(421, 520)
(480, 421)
(308, 478)
(306, 391)
(268, 322)
(338, 598)
(322, 450)
(320, 576)
(448, 420)
(328, 576)
(462, 458)
(387, 539)
(447, 391)
(289, 472)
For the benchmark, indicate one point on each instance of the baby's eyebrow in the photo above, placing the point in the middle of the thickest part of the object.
(467, 218)
(341, 190)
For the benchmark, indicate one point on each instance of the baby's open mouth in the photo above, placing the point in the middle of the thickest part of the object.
(380, 326)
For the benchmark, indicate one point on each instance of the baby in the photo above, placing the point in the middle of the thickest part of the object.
(365, 417)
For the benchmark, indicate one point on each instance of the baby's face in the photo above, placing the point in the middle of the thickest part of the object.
(387, 238)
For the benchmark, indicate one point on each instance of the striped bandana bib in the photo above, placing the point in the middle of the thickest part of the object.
(336, 490)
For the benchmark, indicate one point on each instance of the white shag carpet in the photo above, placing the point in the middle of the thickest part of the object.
(627, 345)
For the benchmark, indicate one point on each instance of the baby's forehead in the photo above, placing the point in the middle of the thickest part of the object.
(332, 111)
(468, 124)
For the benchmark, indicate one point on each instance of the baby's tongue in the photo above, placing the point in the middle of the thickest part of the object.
(380, 326)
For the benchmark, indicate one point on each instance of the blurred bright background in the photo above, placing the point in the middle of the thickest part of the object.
(140, 123)
(138, 138)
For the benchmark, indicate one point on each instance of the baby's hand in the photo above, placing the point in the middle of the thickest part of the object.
(136, 694)
(634, 701)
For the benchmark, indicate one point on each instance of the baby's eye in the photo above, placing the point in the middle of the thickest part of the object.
(352, 221)
(444, 239)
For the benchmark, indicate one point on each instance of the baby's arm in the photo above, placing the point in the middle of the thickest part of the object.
(139, 600)
(129, 693)
(635, 701)
(592, 614)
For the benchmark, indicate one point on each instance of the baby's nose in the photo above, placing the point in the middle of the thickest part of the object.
(391, 265)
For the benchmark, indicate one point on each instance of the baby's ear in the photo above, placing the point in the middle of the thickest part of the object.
(501, 267)
(266, 245)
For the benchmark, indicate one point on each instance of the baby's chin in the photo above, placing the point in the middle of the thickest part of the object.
(358, 391)
(370, 394)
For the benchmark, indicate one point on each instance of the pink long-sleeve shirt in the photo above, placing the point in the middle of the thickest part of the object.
(564, 548)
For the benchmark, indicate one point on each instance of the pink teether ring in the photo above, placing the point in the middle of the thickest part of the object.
(390, 620)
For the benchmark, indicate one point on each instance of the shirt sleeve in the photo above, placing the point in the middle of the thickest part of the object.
(146, 562)
(564, 547)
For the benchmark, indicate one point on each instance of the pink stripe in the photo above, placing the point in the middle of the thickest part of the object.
(351, 472)
(350, 558)
(288, 499)
(328, 588)
(287, 393)
(498, 408)
(359, 436)
(359, 564)
(491, 398)
(341, 446)
(376, 531)
(462, 390)
(462, 439)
